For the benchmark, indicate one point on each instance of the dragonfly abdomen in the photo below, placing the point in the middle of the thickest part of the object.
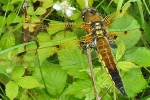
(107, 60)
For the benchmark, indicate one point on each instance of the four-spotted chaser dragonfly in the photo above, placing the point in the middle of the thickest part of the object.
(53, 49)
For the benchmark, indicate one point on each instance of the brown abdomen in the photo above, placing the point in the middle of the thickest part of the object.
(107, 59)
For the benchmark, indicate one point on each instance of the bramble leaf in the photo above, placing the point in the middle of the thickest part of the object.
(79, 88)
(134, 82)
(55, 77)
(28, 82)
(7, 41)
(17, 72)
(141, 56)
(11, 90)
(126, 66)
(73, 61)
(40, 11)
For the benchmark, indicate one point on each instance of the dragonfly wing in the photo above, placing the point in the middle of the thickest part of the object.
(127, 30)
(112, 43)
(108, 19)
(122, 25)
(126, 41)
(71, 58)
(130, 38)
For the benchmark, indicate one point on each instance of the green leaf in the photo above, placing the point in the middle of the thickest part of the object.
(2, 19)
(141, 12)
(129, 39)
(103, 79)
(42, 95)
(90, 96)
(30, 10)
(4, 78)
(24, 95)
(43, 37)
(18, 48)
(14, 1)
(8, 8)
(40, 11)
(82, 3)
(35, 19)
(120, 51)
(13, 17)
(55, 78)
(4, 1)
(73, 61)
(119, 4)
(29, 58)
(57, 42)
(17, 72)
(55, 27)
(80, 88)
(141, 56)
(11, 90)
(28, 82)
(124, 23)
(47, 3)
(126, 66)
(67, 97)
(134, 82)
(148, 98)
(44, 53)
(75, 16)
(7, 41)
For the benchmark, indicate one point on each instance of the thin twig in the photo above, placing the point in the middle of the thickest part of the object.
(92, 73)
(26, 30)
(107, 91)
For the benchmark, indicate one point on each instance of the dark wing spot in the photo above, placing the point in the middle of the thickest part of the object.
(125, 32)
(21, 54)
(14, 24)
(132, 4)
(141, 29)
(121, 11)
(114, 37)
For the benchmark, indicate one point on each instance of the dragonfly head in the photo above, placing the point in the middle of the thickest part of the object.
(90, 15)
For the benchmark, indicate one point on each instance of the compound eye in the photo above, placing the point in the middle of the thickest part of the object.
(85, 13)
(93, 11)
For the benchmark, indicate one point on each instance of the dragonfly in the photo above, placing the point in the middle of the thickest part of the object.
(100, 33)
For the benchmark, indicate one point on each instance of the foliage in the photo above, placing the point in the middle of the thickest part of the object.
(45, 62)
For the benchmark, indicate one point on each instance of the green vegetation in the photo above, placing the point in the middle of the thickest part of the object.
(40, 61)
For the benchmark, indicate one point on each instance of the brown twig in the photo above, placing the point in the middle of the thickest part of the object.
(26, 31)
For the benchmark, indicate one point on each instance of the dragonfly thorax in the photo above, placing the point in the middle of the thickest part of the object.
(98, 29)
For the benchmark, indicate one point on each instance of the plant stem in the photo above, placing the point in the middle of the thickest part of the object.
(92, 73)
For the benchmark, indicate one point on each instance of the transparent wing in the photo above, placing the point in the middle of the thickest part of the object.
(108, 19)
(55, 49)
(125, 28)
